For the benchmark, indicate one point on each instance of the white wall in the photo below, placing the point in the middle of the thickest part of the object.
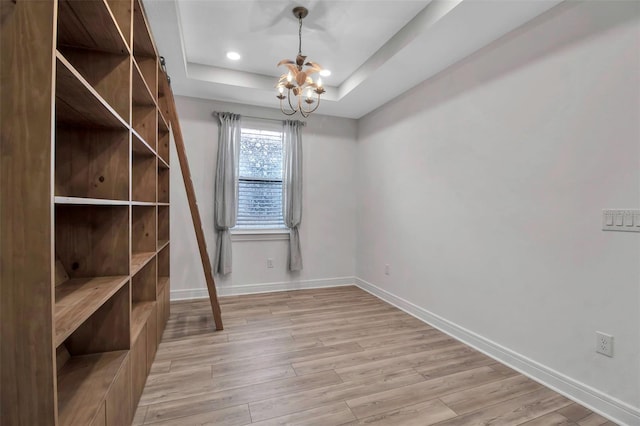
(483, 188)
(327, 231)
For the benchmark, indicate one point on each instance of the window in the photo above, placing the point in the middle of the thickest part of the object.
(260, 179)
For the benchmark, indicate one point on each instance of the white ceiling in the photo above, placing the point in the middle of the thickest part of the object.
(376, 49)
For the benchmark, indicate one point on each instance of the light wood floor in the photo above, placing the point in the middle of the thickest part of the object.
(330, 357)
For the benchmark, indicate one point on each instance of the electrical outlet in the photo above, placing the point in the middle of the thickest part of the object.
(604, 344)
(387, 269)
(269, 263)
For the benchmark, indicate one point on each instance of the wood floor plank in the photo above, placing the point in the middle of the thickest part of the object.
(167, 378)
(575, 412)
(421, 414)
(231, 416)
(236, 350)
(411, 360)
(467, 360)
(334, 414)
(514, 411)
(333, 356)
(169, 391)
(372, 342)
(551, 419)
(278, 406)
(372, 355)
(256, 363)
(382, 402)
(473, 399)
(595, 420)
(207, 402)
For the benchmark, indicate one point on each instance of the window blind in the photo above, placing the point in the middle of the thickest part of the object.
(260, 180)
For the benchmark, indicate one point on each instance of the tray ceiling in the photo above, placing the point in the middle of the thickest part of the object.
(375, 49)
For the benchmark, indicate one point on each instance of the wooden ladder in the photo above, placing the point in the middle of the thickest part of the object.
(191, 197)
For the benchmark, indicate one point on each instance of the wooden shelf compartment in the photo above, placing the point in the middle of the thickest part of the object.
(93, 371)
(163, 226)
(143, 284)
(143, 347)
(163, 124)
(164, 307)
(79, 298)
(89, 383)
(92, 163)
(104, 330)
(148, 68)
(78, 103)
(140, 146)
(107, 73)
(142, 41)
(162, 244)
(164, 266)
(163, 283)
(92, 240)
(143, 121)
(163, 105)
(140, 260)
(163, 185)
(122, 12)
(163, 140)
(140, 313)
(142, 92)
(143, 229)
(143, 169)
(162, 164)
(91, 25)
(143, 313)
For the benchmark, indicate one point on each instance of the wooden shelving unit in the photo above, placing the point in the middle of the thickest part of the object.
(87, 263)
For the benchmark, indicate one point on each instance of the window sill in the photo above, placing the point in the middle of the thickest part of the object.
(259, 234)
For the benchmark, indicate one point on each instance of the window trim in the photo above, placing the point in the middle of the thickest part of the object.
(263, 234)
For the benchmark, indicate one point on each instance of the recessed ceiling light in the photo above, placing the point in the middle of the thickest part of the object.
(325, 73)
(234, 56)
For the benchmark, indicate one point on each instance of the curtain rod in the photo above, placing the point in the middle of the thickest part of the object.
(304, 123)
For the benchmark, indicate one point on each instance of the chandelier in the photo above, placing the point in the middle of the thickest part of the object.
(300, 87)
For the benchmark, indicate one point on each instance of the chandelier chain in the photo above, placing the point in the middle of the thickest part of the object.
(299, 35)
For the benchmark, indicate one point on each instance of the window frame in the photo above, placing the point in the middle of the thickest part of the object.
(259, 234)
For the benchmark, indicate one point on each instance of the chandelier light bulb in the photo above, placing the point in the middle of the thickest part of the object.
(319, 82)
(289, 77)
(281, 90)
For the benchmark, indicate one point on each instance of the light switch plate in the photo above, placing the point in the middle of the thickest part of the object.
(626, 220)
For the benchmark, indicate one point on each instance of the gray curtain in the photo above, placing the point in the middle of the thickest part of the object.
(292, 188)
(226, 196)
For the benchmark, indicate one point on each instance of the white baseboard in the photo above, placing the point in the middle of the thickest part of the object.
(201, 293)
(605, 405)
